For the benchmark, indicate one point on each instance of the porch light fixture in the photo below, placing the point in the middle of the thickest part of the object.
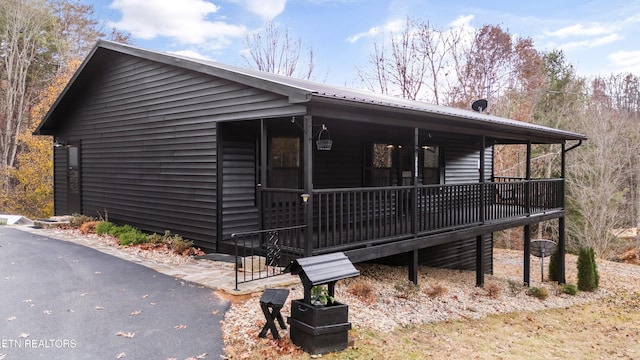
(57, 142)
(305, 198)
(324, 141)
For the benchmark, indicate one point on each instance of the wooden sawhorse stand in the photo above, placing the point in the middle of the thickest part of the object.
(273, 299)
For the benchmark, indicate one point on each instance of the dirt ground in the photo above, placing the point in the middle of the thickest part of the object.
(464, 322)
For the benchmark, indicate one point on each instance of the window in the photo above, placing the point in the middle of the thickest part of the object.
(382, 162)
(430, 165)
(285, 163)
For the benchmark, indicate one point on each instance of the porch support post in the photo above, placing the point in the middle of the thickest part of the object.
(527, 187)
(307, 154)
(561, 224)
(263, 170)
(479, 260)
(416, 150)
(482, 185)
(527, 255)
(413, 266)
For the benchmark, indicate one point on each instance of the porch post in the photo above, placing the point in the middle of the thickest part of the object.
(263, 170)
(479, 261)
(561, 223)
(307, 154)
(413, 255)
(413, 266)
(527, 185)
(482, 184)
(527, 255)
(480, 238)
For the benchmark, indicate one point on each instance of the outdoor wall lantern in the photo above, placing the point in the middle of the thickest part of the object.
(57, 142)
(305, 198)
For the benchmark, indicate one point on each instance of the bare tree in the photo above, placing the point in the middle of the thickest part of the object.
(274, 50)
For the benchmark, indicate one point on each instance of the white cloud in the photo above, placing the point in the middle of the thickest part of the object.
(190, 53)
(184, 21)
(461, 21)
(391, 26)
(589, 43)
(579, 30)
(267, 9)
(626, 61)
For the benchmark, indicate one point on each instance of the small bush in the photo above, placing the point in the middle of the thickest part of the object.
(493, 290)
(588, 277)
(116, 231)
(76, 220)
(132, 237)
(178, 244)
(406, 289)
(89, 227)
(363, 291)
(554, 274)
(540, 293)
(569, 289)
(515, 287)
(436, 291)
(104, 227)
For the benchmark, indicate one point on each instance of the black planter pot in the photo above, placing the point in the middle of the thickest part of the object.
(319, 329)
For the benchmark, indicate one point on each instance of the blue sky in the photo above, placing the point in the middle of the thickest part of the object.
(598, 37)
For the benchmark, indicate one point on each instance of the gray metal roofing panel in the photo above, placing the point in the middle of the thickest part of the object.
(323, 269)
(300, 90)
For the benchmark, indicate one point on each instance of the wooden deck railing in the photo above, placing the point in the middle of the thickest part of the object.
(352, 217)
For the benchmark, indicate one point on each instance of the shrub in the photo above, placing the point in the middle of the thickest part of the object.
(436, 291)
(104, 227)
(540, 293)
(363, 291)
(553, 267)
(178, 244)
(132, 237)
(116, 231)
(569, 289)
(76, 220)
(406, 289)
(588, 277)
(89, 227)
(493, 290)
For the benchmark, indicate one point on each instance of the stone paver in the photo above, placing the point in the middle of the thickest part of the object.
(217, 275)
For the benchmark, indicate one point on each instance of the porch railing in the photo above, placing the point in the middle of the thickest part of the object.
(264, 253)
(351, 217)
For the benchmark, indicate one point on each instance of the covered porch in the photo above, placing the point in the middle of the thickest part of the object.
(389, 191)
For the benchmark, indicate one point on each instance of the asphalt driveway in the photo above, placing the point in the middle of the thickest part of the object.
(59, 300)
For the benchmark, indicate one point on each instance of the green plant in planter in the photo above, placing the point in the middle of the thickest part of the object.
(320, 296)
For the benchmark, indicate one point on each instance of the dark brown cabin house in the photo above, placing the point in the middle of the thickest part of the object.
(164, 142)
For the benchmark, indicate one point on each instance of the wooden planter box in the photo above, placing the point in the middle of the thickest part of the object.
(319, 329)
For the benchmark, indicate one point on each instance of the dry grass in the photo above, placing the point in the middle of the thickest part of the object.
(436, 291)
(493, 290)
(606, 329)
(363, 290)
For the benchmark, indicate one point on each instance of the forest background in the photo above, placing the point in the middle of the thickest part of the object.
(42, 43)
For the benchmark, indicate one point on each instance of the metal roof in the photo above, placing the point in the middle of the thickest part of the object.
(305, 91)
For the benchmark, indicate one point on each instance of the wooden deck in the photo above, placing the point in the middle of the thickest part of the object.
(403, 218)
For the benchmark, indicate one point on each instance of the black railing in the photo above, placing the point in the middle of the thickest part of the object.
(352, 217)
(265, 253)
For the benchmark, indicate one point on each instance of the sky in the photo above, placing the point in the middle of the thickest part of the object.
(598, 37)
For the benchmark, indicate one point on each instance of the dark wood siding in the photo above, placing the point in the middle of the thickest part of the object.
(60, 184)
(461, 166)
(458, 255)
(239, 209)
(149, 134)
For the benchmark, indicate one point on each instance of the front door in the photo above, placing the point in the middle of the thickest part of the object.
(73, 180)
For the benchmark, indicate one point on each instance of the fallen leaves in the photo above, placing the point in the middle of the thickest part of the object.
(11, 318)
(127, 335)
(23, 335)
(180, 327)
(99, 308)
(137, 312)
(121, 355)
